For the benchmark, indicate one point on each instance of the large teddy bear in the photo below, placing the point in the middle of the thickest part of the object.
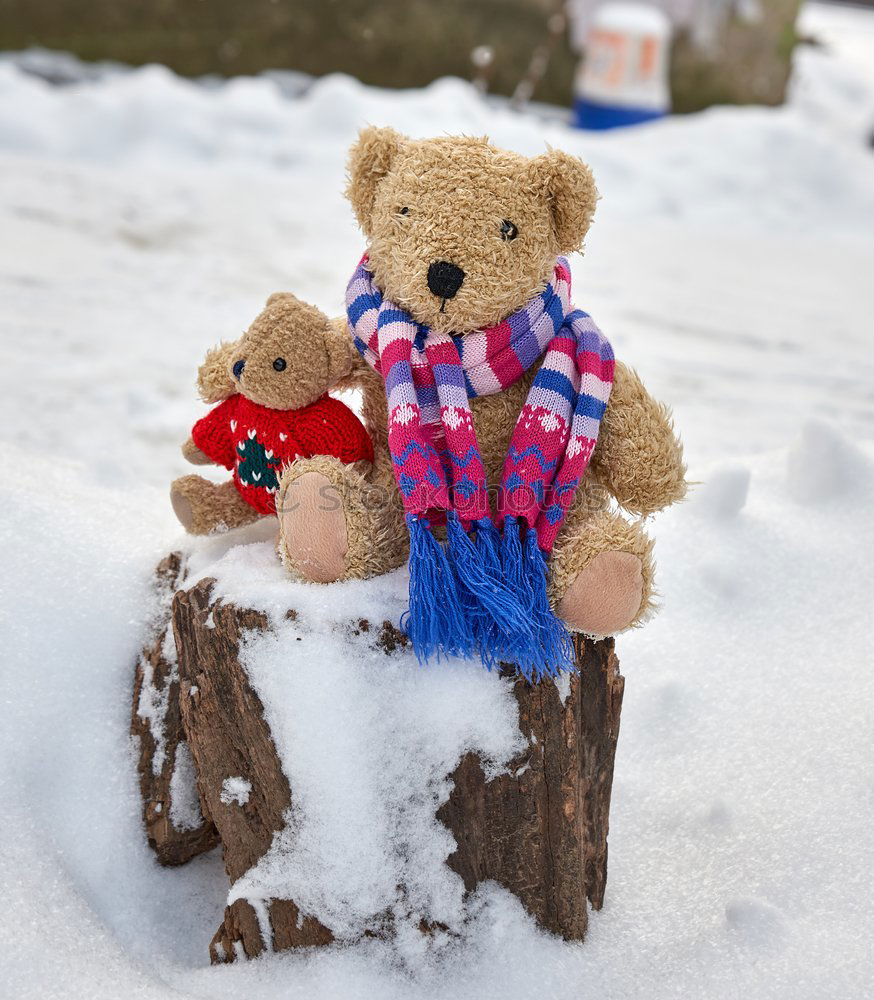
(463, 237)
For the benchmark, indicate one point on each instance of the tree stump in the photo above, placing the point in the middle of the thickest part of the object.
(539, 829)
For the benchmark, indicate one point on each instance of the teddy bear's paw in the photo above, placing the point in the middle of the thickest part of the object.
(191, 453)
(607, 595)
(313, 539)
(207, 508)
(182, 507)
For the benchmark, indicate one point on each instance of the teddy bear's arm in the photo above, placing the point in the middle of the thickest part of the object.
(212, 435)
(191, 453)
(638, 457)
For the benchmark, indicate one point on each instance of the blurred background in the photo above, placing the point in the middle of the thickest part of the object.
(734, 51)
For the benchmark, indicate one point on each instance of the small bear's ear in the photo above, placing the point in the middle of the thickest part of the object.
(569, 188)
(214, 383)
(370, 159)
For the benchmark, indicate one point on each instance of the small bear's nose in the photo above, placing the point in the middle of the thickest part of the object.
(444, 279)
(238, 368)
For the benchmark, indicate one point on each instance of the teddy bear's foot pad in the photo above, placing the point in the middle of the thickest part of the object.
(313, 536)
(606, 596)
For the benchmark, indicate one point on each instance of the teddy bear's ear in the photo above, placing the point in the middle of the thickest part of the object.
(370, 159)
(569, 187)
(213, 381)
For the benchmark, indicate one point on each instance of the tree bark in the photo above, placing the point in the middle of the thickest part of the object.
(156, 728)
(539, 829)
(224, 720)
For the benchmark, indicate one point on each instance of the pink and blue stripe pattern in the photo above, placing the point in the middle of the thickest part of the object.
(430, 378)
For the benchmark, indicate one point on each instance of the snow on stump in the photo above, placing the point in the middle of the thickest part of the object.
(357, 828)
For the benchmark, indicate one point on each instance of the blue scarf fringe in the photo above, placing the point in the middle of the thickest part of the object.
(436, 622)
(484, 595)
(493, 640)
(493, 611)
(554, 647)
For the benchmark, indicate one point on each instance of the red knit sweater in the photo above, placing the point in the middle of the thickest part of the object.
(257, 442)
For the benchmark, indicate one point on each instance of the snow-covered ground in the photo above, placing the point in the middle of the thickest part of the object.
(145, 217)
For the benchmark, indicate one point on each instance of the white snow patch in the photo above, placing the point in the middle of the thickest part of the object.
(185, 811)
(563, 683)
(724, 491)
(262, 914)
(235, 791)
(758, 926)
(152, 707)
(154, 700)
(822, 464)
(367, 742)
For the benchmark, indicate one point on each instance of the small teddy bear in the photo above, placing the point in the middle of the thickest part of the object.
(274, 409)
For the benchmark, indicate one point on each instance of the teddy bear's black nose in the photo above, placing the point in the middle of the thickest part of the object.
(238, 368)
(444, 279)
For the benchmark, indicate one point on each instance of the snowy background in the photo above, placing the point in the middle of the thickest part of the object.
(144, 218)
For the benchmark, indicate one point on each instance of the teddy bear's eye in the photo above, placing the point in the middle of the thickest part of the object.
(403, 211)
(279, 364)
(509, 230)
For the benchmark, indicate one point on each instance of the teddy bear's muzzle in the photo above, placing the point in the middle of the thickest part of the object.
(444, 279)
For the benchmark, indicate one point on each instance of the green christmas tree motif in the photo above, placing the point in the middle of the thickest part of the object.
(256, 466)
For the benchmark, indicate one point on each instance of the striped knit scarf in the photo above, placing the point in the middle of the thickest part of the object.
(481, 592)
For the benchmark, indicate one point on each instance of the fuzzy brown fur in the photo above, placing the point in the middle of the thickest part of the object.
(290, 329)
(215, 381)
(457, 192)
(638, 457)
